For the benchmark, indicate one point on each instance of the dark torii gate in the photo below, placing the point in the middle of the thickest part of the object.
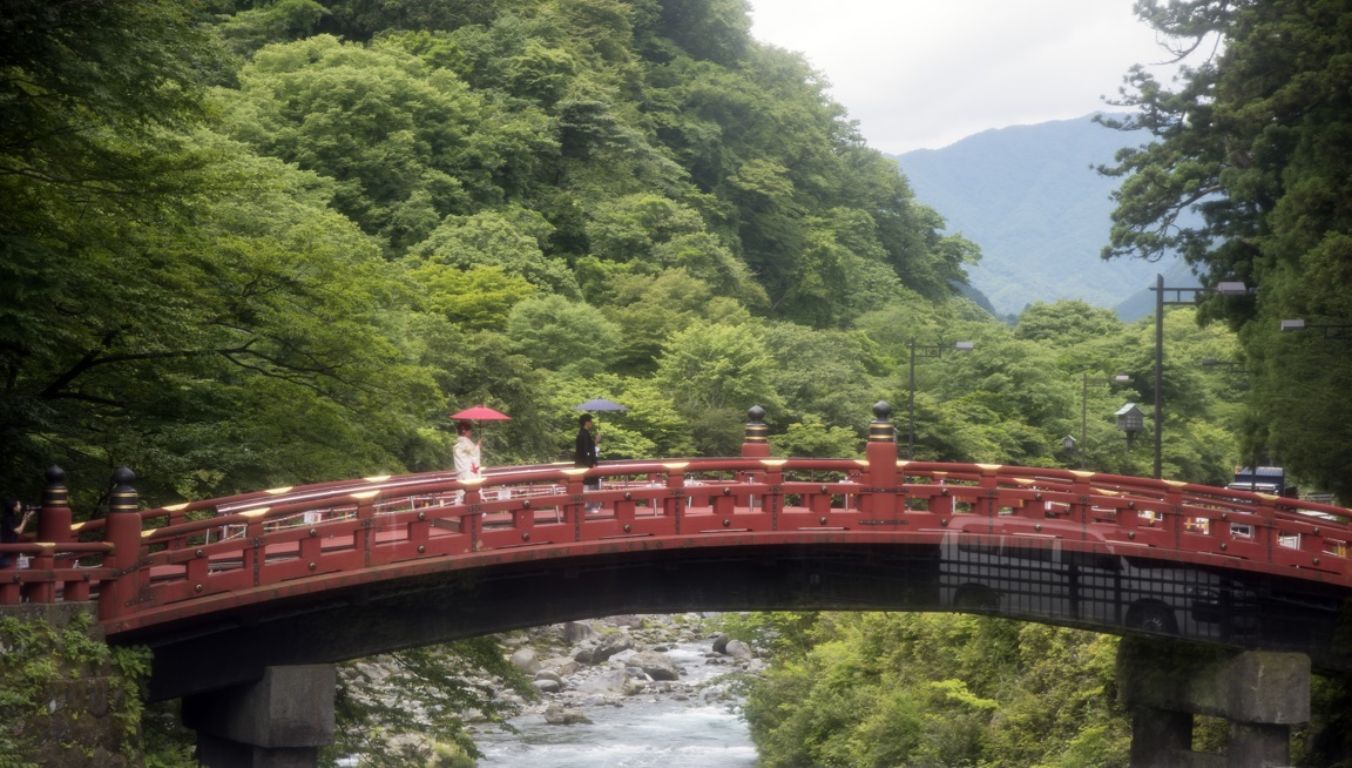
(246, 600)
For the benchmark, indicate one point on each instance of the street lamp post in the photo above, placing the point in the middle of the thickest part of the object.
(1118, 378)
(1341, 331)
(1224, 288)
(925, 350)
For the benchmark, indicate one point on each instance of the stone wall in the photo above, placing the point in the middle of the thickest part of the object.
(68, 698)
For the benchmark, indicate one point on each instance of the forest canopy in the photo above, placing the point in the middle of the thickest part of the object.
(260, 243)
(1247, 179)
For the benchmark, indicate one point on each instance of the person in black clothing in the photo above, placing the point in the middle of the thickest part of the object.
(12, 522)
(584, 449)
(584, 453)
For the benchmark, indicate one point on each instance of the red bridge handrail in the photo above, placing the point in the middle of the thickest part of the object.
(163, 564)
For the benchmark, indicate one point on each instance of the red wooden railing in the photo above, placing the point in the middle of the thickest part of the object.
(170, 563)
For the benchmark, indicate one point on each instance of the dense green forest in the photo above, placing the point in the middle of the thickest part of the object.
(250, 244)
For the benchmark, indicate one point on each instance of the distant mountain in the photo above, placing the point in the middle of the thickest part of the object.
(1029, 196)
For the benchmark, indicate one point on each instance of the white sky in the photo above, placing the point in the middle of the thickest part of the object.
(925, 73)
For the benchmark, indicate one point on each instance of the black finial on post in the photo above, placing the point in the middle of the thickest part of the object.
(54, 493)
(756, 439)
(756, 430)
(881, 430)
(124, 497)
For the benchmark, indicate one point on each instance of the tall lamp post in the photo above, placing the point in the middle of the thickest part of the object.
(924, 350)
(1069, 443)
(1223, 288)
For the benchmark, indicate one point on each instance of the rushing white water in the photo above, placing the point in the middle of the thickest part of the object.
(647, 731)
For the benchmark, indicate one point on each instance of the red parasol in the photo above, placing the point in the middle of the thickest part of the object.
(481, 413)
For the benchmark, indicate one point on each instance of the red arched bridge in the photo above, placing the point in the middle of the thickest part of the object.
(224, 587)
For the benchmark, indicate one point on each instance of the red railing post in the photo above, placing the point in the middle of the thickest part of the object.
(755, 445)
(53, 529)
(122, 529)
(881, 490)
(574, 510)
(988, 503)
(673, 505)
(1173, 496)
(474, 514)
(774, 489)
(366, 517)
(1083, 491)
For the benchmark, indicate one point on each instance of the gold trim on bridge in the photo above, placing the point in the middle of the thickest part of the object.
(279, 491)
(254, 513)
(371, 494)
(1082, 474)
(990, 468)
(676, 466)
(773, 463)
(176, 507)
(376, 478)
(147, 533)
(575, 471)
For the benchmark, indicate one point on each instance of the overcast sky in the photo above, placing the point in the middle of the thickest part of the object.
(925, 73)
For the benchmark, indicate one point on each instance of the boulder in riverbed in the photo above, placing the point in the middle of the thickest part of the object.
(526, 660)
(738, 650)
(557, 714)
(545, 685)
(721, 643)
(655, 665)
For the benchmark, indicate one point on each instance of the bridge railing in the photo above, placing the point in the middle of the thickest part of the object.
(169, 563)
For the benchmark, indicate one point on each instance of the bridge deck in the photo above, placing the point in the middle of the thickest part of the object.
(221, 554)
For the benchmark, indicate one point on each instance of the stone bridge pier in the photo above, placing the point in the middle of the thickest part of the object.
(1165, 684)
(280, 721)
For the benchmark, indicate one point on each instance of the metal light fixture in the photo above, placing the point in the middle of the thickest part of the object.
(1222, 288)
(1338, 331)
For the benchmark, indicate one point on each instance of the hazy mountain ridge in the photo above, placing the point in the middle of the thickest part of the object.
(1029, 196)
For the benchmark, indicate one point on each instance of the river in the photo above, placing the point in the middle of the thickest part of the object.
(647, 730)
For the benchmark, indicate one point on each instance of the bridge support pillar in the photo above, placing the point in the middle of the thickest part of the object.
(280, 721)
(1261, 693)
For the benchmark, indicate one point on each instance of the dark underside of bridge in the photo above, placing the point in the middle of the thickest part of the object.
(1191, 602)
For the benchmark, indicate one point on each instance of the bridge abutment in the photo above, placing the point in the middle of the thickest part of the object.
(1261, 693)
(280, 721)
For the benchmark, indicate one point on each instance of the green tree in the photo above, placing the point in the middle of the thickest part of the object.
(563, 335)
(1244, 181)
(1065, 323)
(714, 373)
(397, 135)
(881, 690)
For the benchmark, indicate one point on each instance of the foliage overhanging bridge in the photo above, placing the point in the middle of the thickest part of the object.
(221, 588)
